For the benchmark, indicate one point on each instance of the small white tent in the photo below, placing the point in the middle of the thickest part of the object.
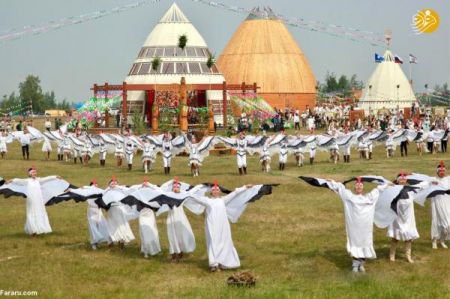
(387, 88)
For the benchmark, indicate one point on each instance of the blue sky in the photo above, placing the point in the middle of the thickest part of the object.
(71, 59)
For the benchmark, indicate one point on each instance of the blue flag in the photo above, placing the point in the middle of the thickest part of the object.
(378, 58)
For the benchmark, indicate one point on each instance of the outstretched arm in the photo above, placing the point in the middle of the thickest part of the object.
(48, 178)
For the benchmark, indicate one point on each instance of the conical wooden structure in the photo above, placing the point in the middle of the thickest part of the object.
(387, 88)
(262, 50)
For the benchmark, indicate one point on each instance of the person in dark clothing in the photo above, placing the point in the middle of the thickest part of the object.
(444, 141)
(118, 120)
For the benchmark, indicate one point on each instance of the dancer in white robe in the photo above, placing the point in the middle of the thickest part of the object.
(46, 148)
(179, 232)
(129, 153)
(198, 151)
(148, 155)
(102, 151)
(117, 220)
(119, 153)
(282, 155)
(37, 192)
(219, 211)
(148, 229)
(67, 149)
(149, 232)
(265, 159)
(404, 226)
(3, 140)
(359, 212)
(167, 152)
(98, 227)
(60, 150)
(440, 206)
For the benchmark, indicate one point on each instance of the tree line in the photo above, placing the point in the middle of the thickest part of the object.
(340, 86)
(31, 98)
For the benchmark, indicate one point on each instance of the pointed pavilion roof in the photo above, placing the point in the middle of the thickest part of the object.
(387, 87)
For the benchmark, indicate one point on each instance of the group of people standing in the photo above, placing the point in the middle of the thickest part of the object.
(143, 202)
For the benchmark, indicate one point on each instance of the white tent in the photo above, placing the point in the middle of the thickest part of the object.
(190, 63)
(387, 88)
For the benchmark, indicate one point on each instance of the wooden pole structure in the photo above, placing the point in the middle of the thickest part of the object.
(211, 130)
(155, 117)
(124, 105)
(224, 105)
(184, 108)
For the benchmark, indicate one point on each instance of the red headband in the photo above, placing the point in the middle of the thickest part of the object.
(359, 181)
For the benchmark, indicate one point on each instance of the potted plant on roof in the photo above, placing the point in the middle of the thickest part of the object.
(210, 63)
(156, 62)
(182, 42)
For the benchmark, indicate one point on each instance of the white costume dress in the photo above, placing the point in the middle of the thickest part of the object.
(219, 211)
(3, 148)
(440, 212)
(148, 153)
(167, 152)
(118, 226)
(119, 151)
(359, 211)
(37, 191)
(179, 231)
(148, 232)
(129, 152)
(219, 243)
(283, 154)
(98, 227)
(102, 152)
(241, 153)
(46, 146)
(404, 226)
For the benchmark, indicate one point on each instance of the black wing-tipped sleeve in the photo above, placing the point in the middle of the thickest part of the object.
(315, 181)
(264, 190)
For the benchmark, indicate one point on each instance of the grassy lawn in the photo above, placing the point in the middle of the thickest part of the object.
(293, 240)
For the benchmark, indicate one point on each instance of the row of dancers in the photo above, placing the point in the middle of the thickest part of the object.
(75, 147)
(390, 205)
(144, 202)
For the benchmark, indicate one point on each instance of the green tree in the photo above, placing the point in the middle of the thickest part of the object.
(11, 104)
(30, 91)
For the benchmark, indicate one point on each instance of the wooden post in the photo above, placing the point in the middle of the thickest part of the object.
(106, 90)
(124, 105)
(184, 109)
(106, 99)
(155, 118)
(224, 105)
(211, 130)
(95, 90)
(255, 87)
(107, 118)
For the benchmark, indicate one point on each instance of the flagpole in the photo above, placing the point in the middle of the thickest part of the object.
(410, 72)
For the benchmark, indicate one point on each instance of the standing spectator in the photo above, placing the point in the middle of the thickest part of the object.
(404, 145)
(444, 140)
(19, 126)
(25, 140)
(118, 119)
(296, 120)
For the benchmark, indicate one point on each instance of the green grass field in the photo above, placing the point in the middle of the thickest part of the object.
(293, 240)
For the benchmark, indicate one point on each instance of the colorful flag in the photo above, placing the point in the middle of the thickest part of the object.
(378, 58)
(398, 59)
(412, 59)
